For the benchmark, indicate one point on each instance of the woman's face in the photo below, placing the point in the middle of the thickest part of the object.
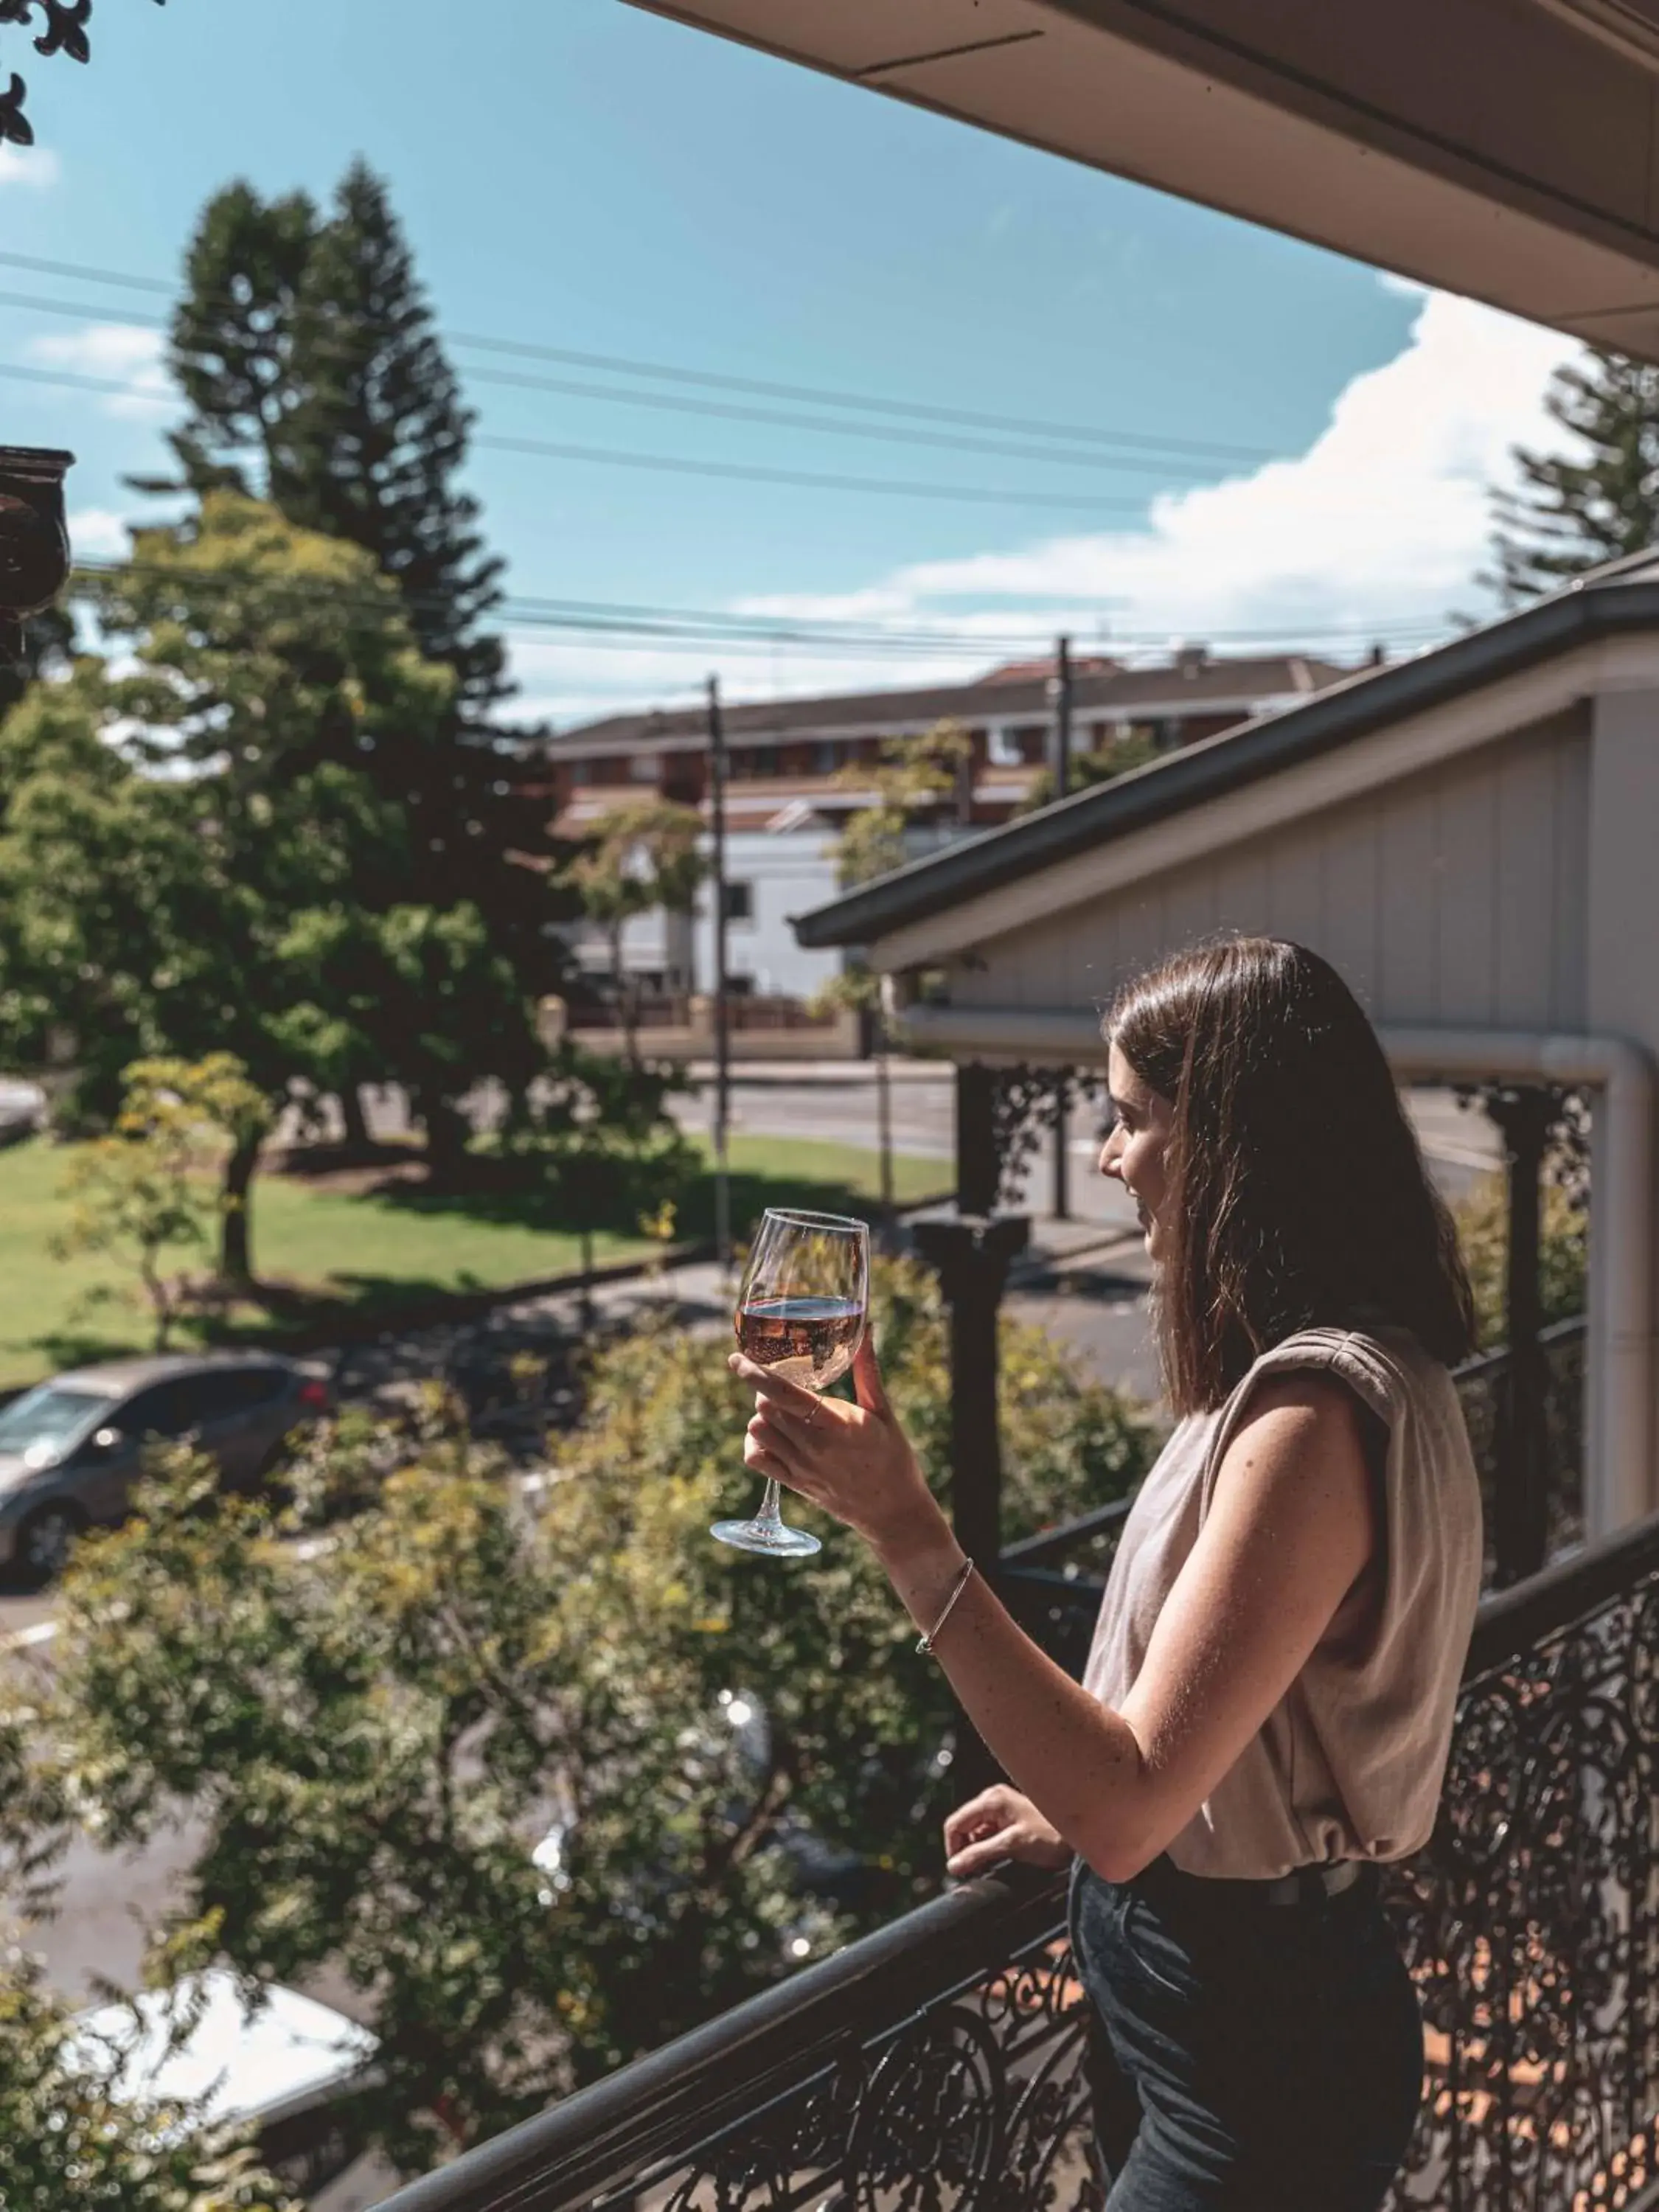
(1133, 1154)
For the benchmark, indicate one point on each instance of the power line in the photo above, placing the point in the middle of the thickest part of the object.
(724, 410)
(91, 275)
(745, 472)
(644, 619)
(1137, 462)
(759, 387)
(683, 626)
(70, 307)
(76, 382)
(680, 464)
(765, 388)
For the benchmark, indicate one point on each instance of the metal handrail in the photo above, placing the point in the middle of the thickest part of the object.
(1037, 1551)
(604, 2136)
(1492, 1363)
(742, 2060)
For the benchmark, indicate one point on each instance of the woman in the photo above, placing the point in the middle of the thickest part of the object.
(1268, 1707)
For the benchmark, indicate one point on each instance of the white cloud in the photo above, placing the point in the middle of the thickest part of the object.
(96, 534)
(123, 353)
(1379, 529)
(1381, 525)
(37, 166)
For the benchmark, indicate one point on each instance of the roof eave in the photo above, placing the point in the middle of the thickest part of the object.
(1215, 766)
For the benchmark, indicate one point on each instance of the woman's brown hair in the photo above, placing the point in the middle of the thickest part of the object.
(1296, 1196)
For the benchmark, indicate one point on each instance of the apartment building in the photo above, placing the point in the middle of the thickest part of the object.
(791, 780)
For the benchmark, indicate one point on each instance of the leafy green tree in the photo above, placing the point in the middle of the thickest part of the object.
(1596, 501)
(536, 1784)
(71, 2137)
(125, 926)
(1563, 1254)
(639, 859)
(142, 1192)
(912, 777)
(1102, 765)
(910, 781)
(306, 347)
(598, 1134)
(185, 848)
(138, 1198)
(73, 2140)
(175, 1103)
(419, 992)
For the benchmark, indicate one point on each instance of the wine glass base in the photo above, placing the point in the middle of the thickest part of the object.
(774, 1538)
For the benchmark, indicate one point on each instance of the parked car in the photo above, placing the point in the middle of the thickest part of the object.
(71, 1449)
(286, 2072)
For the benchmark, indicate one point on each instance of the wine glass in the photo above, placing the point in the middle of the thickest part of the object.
(801, 1311)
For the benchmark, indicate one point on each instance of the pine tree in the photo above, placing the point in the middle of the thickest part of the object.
(379, 431)
(316, 379)
(1579, 509)
(231, 345)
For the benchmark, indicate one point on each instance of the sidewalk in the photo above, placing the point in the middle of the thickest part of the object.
(857, 1072)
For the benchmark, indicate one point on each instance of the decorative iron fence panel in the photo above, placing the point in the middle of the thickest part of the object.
(1480, 1385)
(937, 2066)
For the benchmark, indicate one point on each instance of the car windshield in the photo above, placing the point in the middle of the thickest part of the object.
(46, 1421)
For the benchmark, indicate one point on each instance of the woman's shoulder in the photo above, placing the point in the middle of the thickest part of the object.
(1386, 1367)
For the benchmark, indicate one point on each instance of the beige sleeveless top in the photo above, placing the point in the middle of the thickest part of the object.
(1349, 1765)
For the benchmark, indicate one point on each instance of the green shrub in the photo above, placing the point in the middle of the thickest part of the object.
(1563, 1254)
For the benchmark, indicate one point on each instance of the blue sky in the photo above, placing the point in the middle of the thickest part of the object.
(583, 175)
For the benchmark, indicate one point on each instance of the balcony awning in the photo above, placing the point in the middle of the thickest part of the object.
(1501, 148)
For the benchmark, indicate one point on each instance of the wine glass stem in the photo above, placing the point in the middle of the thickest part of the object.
(769, 1511)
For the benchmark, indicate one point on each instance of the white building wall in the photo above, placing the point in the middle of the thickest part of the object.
(787, 872)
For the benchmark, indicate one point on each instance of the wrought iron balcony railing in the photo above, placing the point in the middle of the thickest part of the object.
(938, 2061)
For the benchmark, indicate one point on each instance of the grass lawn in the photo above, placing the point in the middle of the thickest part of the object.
(346, 1251)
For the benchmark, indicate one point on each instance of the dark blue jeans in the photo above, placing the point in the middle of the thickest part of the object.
(1251, 2057)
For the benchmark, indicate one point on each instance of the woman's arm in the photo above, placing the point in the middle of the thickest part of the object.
(1288, 1531)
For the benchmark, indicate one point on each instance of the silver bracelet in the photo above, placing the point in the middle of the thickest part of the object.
(925, 1643)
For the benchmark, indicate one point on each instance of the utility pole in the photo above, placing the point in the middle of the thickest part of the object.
(722, 1004)
(1062, 697)
(1061, 693)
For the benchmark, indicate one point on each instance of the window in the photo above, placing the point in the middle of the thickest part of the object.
(1004, 747)
(826, 757)
(644, 767)
(216, 1396)
(581, 771)
(48, 1418)
(161, 1411)
(739, 901)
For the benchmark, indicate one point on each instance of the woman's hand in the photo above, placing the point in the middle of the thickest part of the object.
(1000, 1824)
(854, 1461)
